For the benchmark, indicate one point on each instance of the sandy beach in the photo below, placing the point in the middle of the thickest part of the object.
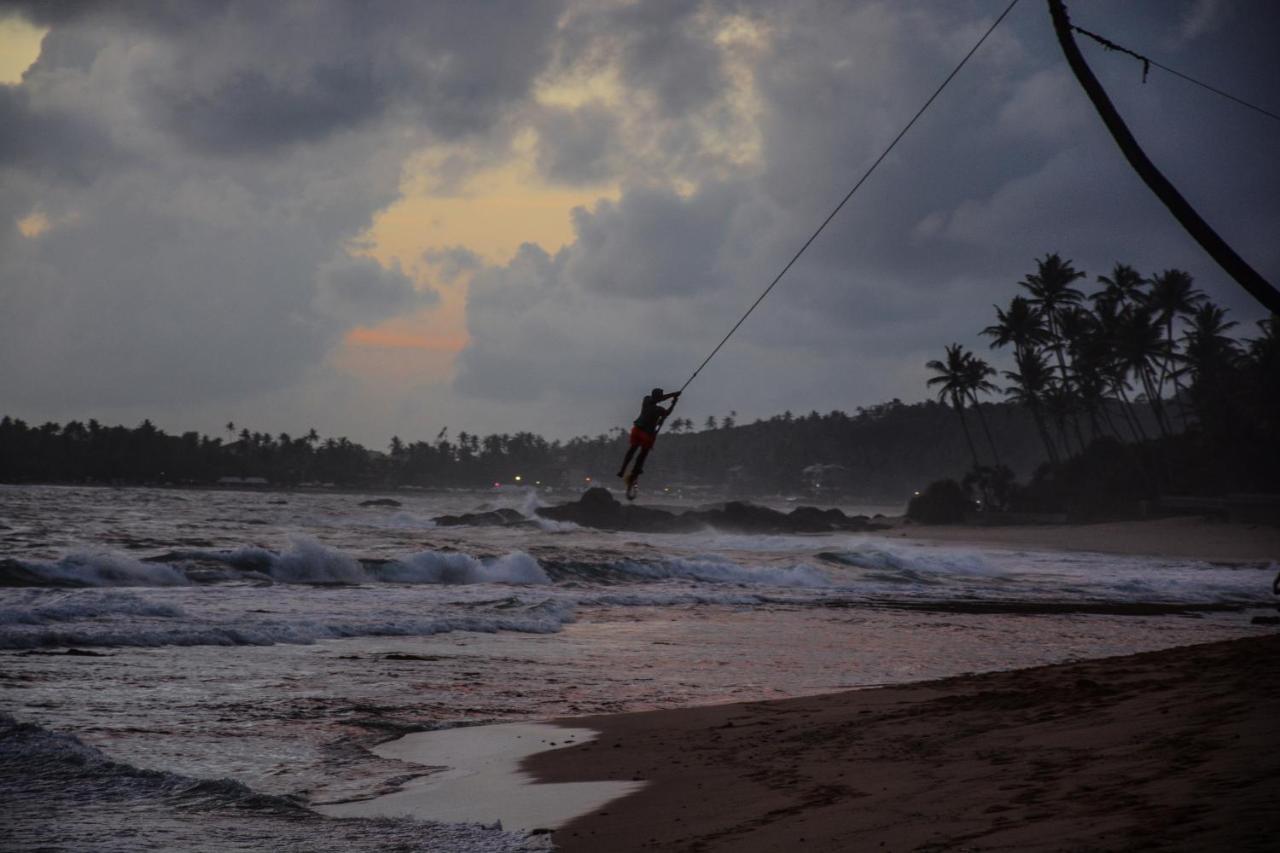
(1184, 537)
(1172, 750)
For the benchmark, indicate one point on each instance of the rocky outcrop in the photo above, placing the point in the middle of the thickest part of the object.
(492, 518)
(599, 509)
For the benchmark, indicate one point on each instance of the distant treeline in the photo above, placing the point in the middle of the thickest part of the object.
(882, 452)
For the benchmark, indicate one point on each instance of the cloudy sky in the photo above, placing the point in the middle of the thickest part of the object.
(388, 218)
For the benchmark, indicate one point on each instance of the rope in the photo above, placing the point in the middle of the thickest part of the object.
(1147, 62)
(849, 194)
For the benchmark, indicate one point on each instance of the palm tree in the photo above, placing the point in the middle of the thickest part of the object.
(1091, 361)
(954, 376)
(1030, 382)
(1022, 325)
(1172, 294)
(1208, 349)
(1209, 356)
(976, 373)
(1107, 319)
(1262, 371)
(1123, 286)
(1140, 348)
(1076, 328)
(1052, 293)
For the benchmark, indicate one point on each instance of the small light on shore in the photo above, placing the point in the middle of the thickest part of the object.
(517, 478)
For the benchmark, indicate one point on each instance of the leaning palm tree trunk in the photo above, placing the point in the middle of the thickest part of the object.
(1135, 424)
(968, 438)
(1153, 398)
(1226, 257)
(1044, 434)
(995, 454)
(1110, 421)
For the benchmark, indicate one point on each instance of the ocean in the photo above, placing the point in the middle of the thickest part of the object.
(205, 669)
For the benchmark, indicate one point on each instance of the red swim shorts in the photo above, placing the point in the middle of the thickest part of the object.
(641, 438)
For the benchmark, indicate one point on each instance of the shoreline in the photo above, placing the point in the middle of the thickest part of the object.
(1178, 537)
(1170, 750)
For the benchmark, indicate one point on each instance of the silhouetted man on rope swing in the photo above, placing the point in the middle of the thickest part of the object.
(644, 432)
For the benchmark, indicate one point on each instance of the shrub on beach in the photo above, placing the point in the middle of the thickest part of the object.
(942, 502)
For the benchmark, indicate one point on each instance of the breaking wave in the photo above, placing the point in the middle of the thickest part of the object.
(119, 624)
(721, 570)
(458, 568)
(306, 561)
(77, 608)
(89, 568)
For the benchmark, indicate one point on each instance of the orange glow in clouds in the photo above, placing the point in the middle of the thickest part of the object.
(385, 338)
(491, 214)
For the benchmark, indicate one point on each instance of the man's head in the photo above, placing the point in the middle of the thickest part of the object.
(657, 392)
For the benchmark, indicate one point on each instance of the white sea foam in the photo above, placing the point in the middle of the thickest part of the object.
(75, 607)
(135, 624)
(712, 568)
(880, 554)
(550, 525)
(451, 567)
(103, 568)
(309, 561)
(409, 521)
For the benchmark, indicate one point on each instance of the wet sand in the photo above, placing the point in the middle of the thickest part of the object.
(1185, 537)
(1171, 750)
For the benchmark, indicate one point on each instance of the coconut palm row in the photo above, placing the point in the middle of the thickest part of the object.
(1084, 365)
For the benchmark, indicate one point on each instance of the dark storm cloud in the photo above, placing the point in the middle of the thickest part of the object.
(205, 165)
(578, 146)
(1011, 164)
(155, 14)
(653, 243)
(49, 142)
(660, 48)
(304, 71)
(202, 168)
(250, 112)
(360, 290)
(665, 50)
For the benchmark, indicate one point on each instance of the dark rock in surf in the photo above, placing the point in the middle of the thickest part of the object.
(599, 509)
(493, 518)
(381, 502)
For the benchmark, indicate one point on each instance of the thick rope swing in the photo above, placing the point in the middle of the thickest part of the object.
(849, 194)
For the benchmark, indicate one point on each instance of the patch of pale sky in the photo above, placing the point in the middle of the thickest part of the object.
(19, 47)
(492, 212)
(578, 87)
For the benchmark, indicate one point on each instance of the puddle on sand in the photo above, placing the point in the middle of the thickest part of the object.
(482, 782)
